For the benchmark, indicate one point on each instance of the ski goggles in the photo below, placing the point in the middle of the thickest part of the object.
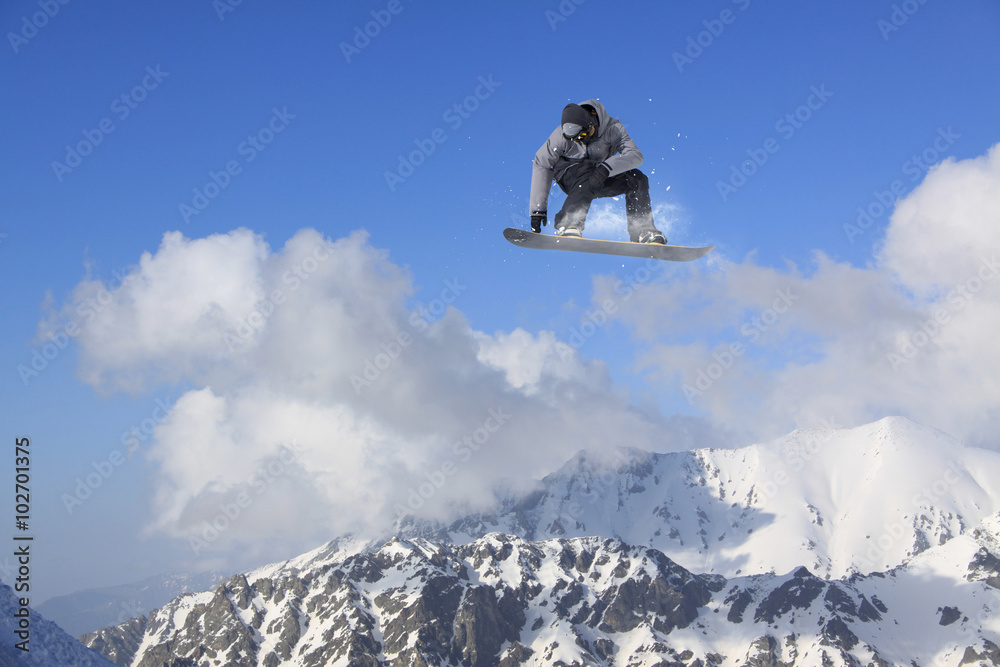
(580, 135)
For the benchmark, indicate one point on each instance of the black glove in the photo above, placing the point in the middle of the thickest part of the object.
(538, 218)
(601, 173)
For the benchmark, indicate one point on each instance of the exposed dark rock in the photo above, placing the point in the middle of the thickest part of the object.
(739, 601)
(949, 615)
(985, 567)
(839, 601)
(987, 656)
(516, 654)
(118, 647)
(480, 629)
(425, 621)
(838, 634)
(674, 602)
(867, 611)
(799, 592)
(764, 652)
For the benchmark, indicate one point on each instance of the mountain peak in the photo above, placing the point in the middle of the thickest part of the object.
(596, 461)
(836, 500)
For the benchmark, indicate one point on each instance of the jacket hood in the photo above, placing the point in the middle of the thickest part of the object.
(602, 114)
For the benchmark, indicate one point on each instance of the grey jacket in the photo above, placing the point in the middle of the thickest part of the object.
(611, 145)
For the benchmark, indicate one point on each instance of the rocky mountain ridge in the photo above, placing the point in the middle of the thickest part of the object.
(501, 600)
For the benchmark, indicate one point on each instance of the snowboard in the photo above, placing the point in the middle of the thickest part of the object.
(672, 253)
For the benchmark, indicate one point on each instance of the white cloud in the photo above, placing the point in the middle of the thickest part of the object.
(913, 334)
(942, 231)
(309, 373)
(165, 320)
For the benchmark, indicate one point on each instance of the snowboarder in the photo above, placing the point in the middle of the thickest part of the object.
(590, 155)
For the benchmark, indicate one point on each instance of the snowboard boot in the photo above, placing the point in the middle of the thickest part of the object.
(569, 231)
(653, 236)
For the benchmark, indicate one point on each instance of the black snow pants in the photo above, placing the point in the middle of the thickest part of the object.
(574, 180)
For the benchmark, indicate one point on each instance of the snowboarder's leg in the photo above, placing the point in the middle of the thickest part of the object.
(638, 209)
(575, 182)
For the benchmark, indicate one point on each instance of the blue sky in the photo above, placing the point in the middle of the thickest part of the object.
(118, 124)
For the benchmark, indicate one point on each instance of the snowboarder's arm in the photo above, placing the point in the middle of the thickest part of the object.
(542, 174)
(628, 156)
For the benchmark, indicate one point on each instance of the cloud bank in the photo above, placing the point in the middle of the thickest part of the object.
(913, 334)
(319, 402)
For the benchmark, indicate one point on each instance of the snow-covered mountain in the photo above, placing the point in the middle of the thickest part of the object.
(501, 600)
(878, 545)
(47, 645)
(837, 501)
